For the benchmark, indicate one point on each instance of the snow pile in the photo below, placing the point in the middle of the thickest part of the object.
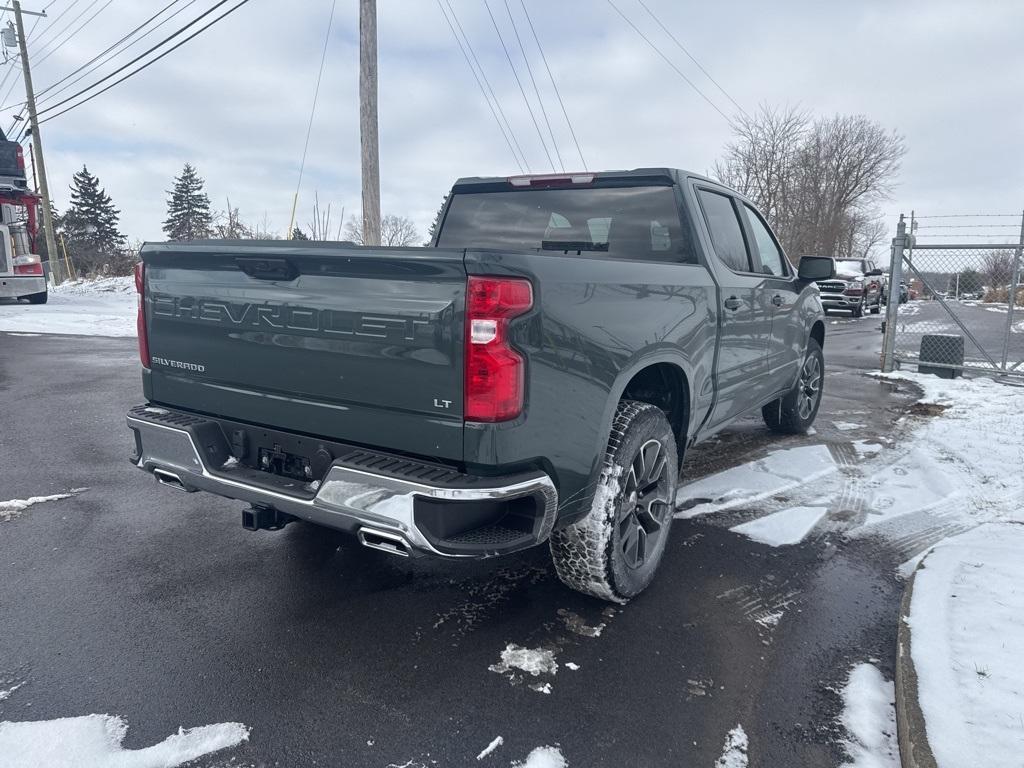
(533, 661)
(94, 741)
(14, 507)
(734, 753)
(789, 526)
(776, 473)
(99, 286)
(869, 717)
(103, 307)
(966, 640)
(543, 757)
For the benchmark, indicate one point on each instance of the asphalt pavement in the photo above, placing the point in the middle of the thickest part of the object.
(137, 600)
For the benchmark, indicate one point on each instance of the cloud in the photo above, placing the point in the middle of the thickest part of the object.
(235, 101)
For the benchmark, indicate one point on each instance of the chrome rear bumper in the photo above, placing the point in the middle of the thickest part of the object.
(380, 508)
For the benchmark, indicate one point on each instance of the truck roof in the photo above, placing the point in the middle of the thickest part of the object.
(650, 175)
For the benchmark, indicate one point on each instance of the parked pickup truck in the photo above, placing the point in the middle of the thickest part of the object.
(857, 286)
(536, 374)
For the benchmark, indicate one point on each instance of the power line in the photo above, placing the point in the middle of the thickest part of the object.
(553, 83)
(141, 56)
(54, 20)
(691, 57)
(41, 46)
(668, 61)
(71, 36)
(90, 69)
(522, 90)
(483, 75)
(149, 63)
(536, 90)
(312, 114)
(480, 85)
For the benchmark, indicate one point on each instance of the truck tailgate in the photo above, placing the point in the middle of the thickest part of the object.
(361, 345)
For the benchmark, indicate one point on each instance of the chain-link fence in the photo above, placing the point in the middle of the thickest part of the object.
(955, 307)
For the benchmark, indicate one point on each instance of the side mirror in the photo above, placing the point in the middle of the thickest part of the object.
(874, 273)
(814, 268)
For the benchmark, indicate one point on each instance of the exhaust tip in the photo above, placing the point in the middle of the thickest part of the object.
(392, 543)
(169, 479)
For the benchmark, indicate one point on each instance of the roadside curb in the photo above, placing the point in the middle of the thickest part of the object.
(915, 752)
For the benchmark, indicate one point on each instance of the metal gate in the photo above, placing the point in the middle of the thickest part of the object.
(955, 307)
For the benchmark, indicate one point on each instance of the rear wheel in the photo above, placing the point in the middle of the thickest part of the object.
(615, 550)
(795, 413)
(37, 298)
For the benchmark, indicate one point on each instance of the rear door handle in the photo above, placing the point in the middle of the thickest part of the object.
(732, 303)
(777, 300)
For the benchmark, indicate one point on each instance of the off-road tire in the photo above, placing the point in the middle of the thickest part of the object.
(37, 298)
(789, 415)
(594, 555)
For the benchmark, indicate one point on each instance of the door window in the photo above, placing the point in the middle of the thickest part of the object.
(726, 232)
(768, 257)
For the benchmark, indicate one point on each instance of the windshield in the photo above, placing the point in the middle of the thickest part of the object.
(621, 222)
(856, 264)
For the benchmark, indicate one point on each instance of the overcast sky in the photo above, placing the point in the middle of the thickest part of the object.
(235, 101)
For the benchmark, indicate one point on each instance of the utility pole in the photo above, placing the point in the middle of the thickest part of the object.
(56, 270)
(368, 144)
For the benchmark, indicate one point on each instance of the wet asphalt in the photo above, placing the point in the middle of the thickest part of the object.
(137, 600)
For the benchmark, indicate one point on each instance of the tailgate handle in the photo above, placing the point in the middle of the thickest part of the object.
(267, 268)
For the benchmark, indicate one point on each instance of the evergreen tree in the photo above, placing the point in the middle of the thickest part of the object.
(432, 232)
(91, 223)
(188, 208)
(298, 234)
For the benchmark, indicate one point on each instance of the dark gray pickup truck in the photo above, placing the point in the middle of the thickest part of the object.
(535, 375)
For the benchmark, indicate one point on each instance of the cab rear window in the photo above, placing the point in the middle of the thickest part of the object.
(633, 223)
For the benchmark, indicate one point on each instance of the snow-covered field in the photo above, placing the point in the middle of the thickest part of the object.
(103, 307)
(967, 636)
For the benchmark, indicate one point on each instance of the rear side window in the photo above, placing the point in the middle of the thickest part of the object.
(768, 259)
(726, 231)
(633, 223)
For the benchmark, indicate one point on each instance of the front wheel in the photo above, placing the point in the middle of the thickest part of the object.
(795, 413)
(858, 311)
(877, 308)
(613, 552)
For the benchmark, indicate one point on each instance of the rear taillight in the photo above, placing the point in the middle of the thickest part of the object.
(140, 322)
(21, 158)
(29, 264)
(495, 372)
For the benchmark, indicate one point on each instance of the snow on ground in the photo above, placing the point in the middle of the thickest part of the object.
(533, 661)
(94, 741)
(966, 640)
(14, 507)
(543, 757)
(781, 528)
(776, 473)
(498, 741)
(869, 717)
(102, 307)
(734, 753)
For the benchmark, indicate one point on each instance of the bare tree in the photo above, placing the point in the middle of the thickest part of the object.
(320, 226)
(394, 231)
(816, 182)
(228, 225)
(997, 269)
